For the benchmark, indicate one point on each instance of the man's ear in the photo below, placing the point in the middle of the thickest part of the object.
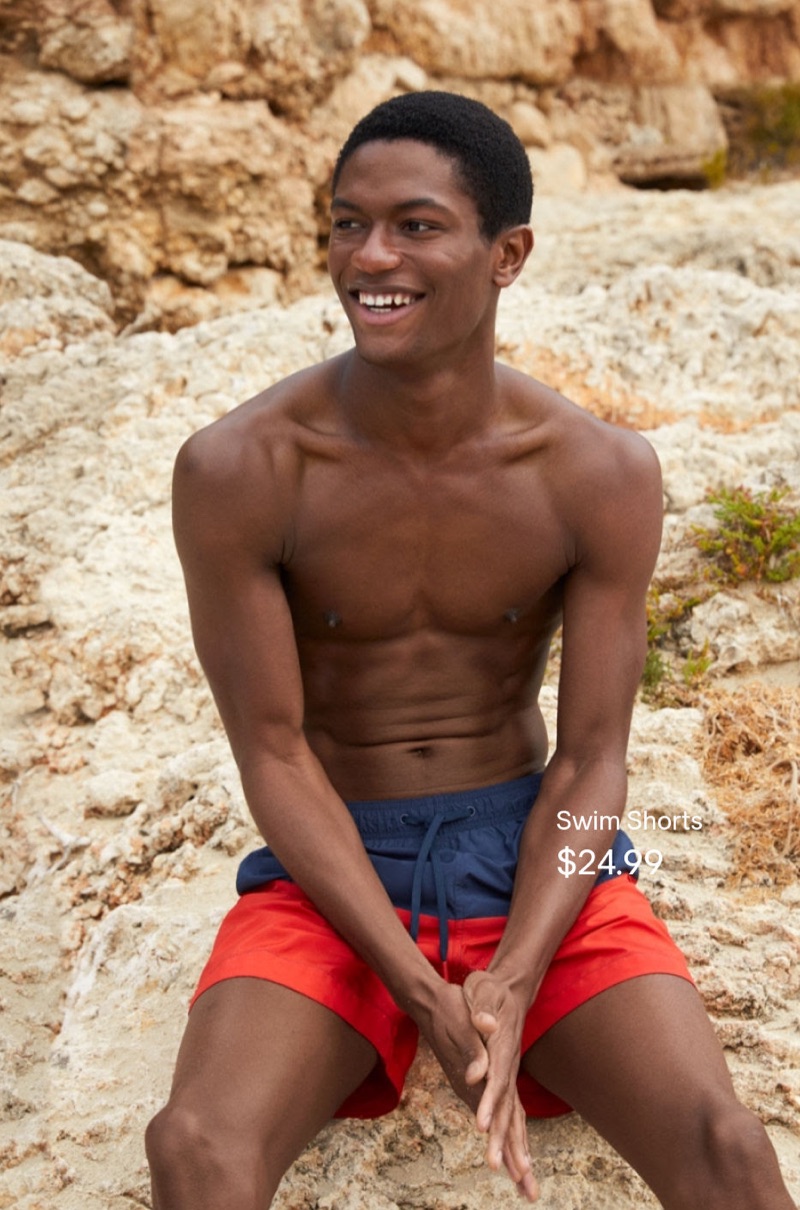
(514, 246)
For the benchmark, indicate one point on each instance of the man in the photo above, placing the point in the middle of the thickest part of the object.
(377, 552)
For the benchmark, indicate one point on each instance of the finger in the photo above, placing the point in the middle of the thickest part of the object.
(498, 1133)
(503, 1062)
(485, 1110)
(516, 1157)
(528, 1188)
(516, 1154)
(498, 1088)
(477, 1068)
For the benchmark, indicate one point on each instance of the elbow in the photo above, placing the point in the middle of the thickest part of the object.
(284, 748)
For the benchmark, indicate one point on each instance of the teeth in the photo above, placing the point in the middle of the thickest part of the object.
(384, 300)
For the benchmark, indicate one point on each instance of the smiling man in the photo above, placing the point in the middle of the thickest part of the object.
(377, 552)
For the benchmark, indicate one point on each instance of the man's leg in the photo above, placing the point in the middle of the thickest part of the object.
(642, 1064)
(260, 1071)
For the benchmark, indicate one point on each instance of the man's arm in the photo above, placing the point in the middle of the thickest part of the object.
(229, 526)
(603, 651)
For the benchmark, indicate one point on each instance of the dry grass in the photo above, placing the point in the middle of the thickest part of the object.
(611, 401)
(751, 758)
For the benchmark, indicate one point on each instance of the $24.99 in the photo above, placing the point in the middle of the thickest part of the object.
(585, 862)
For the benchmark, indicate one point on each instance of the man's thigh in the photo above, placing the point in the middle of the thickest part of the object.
(642, 1064)
(259, 1062)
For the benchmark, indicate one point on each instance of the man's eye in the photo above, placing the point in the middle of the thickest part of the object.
(418, 224)
(345, 224)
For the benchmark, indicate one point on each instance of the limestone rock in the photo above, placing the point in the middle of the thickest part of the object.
(46, 302)
(166, 145)
(91, 42)
(698, 335)
(753, 628)
(675, 134)
(108, 912)
(194, 189)
(286, 52)
(628, 30)
(535, 43)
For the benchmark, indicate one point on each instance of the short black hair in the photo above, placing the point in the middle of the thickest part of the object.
(490, 159)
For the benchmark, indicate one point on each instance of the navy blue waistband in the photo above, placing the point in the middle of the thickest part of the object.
(381, 818)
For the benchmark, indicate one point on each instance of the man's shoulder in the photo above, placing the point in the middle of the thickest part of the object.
(577, 441)
(266, 430)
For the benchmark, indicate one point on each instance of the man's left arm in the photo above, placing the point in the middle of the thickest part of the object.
(618, 524)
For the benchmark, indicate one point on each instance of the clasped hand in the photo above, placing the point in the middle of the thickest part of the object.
(475, 1035)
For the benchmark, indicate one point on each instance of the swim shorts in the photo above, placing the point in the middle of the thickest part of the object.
(448, 863)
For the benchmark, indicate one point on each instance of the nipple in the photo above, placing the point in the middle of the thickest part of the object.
(332, 618)
(512, 615)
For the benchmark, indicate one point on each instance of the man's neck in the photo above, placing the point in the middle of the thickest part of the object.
(415, 412)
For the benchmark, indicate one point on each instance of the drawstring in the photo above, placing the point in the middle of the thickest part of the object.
(426, 850)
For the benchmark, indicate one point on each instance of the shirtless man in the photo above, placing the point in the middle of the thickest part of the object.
(377, 553)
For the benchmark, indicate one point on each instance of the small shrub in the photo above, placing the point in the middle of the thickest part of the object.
(666, 610)
(755, 540)
(696, 665)
(715, 169)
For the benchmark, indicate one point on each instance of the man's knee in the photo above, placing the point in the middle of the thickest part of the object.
(176, 1137)
(733, 1164)
(197, 1162)
(738, 1142)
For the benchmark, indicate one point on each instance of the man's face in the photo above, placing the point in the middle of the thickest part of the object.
(407, 257)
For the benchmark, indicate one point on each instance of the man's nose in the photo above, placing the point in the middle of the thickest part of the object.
(376, 253)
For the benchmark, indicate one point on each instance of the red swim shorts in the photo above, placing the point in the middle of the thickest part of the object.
(275, 933)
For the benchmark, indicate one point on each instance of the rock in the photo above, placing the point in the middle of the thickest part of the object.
(123, 818)
(675, 135)
(286, 52)
(92, 42)
(188, 140)
(169, 304)
(757, 626)
(627, 30)
(557, 169)
(196, 189)
(530, 124)
(515, 40)
(113, 793)
(711, 342)
(46, 302)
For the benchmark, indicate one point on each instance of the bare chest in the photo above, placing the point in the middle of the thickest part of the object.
(380, 552)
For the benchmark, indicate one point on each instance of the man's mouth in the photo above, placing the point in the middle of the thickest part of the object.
(383, 303)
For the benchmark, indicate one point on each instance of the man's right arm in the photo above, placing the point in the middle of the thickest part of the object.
(230, 517)
(229, 537)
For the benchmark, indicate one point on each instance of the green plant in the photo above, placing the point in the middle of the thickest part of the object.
(755, 538)
(775, 125)
(763, 128)
(655, 669)
(696, 665)
(666, 610)
(715, 169)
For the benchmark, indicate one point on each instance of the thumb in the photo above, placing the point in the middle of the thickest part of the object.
(481, 1002)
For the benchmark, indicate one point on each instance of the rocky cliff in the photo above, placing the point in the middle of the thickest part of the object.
(121, 817)
(175, 155)
(180, 149)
